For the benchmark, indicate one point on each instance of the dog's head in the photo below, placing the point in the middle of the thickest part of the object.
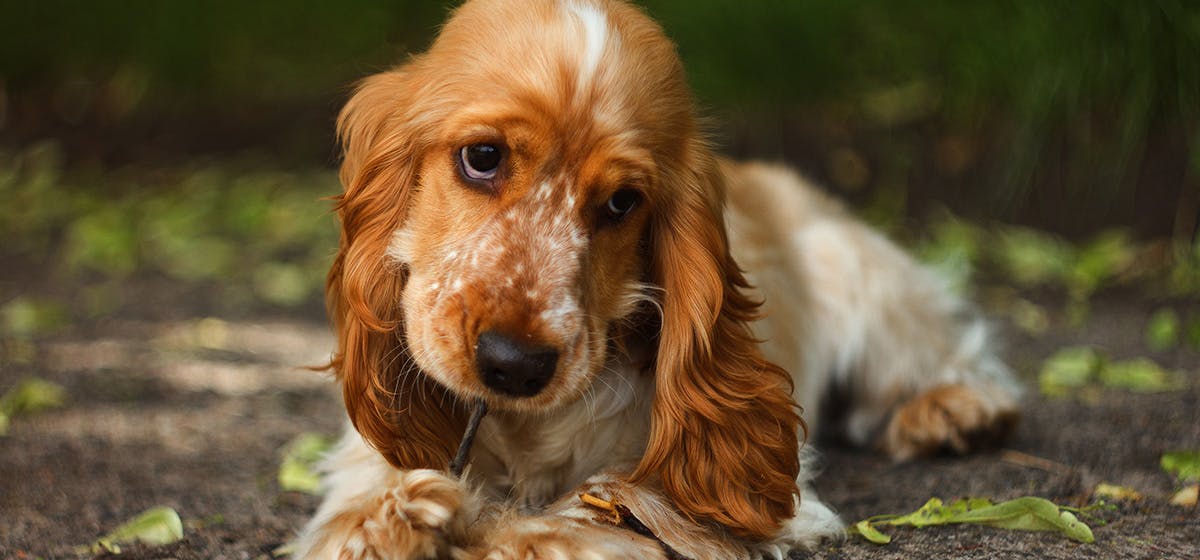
(515, 200)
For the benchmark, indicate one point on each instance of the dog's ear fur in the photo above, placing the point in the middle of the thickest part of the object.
(397, 408)
(724, 437)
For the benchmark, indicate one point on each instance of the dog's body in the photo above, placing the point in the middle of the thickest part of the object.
(531, 218)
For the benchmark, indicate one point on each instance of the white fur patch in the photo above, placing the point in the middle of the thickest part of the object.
(595, 37)
(560, 317)
(401, 247)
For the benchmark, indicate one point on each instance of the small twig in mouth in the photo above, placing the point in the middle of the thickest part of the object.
(623, 517)
(464, 448)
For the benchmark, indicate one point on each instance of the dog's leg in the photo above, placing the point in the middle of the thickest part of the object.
(918, 364)
(848, 312)
(374, 511)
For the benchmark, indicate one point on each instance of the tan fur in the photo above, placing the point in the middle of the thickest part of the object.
(948, 416)
(677, 390)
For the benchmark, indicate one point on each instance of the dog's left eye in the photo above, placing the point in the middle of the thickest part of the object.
(480, 161)
(621, 203)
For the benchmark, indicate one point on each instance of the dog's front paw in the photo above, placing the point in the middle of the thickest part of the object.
(955, 417)
(557, 538)
(409, 518)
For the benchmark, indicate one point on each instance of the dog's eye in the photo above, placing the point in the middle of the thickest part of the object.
(621, 203)
(480, 161)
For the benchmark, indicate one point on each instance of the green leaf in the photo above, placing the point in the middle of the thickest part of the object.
(156, 526)
(1112, 491)
(104, 240)
(934, 512)
(1025, 514)
(1186, 496)
(297, 471)
(1104, 257)
(1030, 257)
(24, 316)
(1069, 368)
(952, 248)
(1162, 333)
(28, 396)
(1141, 375)
(1029, 514)
(1028, 316)
(195, 258)
(870, 533)
(1183, 464)
(1193, 333)
(283, 284)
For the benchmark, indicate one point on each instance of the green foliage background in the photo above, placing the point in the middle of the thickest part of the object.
(1072, 117)
(1090, 100)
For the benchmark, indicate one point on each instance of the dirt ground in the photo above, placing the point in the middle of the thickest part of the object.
(167, 407)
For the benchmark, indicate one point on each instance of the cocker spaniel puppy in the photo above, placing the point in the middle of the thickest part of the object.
(532, 218)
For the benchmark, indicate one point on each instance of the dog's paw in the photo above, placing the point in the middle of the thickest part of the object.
(957, 418)
(557, 538)
(408, 519)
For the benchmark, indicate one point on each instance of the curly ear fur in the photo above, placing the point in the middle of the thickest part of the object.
(382, 143)
(724, 437)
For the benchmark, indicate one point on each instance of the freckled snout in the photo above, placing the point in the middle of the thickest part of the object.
(511, 368)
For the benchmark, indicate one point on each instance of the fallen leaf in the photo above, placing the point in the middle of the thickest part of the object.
(1183, 464)
(1114, 492)
(1077, 367)
(297, 471)
(1102, 258)
(24, 316)
(870, 533)
(1193, 333)
(1142, 375)
(283, 284)
(1029, 317)
(1030, 257)
(1162, 332)
(1186, 497)
(1030, 514)
(156, 526)
(28, 396)
(1069, 368)
(1025, 514)
(952, 248)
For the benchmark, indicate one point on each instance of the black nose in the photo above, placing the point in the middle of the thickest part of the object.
(513, 368)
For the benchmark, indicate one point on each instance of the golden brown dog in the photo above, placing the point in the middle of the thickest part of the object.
(533, 218)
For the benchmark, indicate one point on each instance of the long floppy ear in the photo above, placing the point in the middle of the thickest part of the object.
(396, 407)
(724, 436)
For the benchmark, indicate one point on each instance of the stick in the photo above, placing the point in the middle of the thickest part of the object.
(464, 448)
(1025, 460)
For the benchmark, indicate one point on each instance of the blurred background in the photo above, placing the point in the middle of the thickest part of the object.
(191, 140)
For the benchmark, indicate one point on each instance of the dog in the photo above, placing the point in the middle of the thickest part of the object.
(532, 218)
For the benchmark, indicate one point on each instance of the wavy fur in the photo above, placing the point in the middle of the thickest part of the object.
(673, 390)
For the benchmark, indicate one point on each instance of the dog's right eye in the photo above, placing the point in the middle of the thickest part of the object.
(480, 161)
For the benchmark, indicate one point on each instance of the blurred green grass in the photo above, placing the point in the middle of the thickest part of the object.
(254, 233)
(1005, 108)
(1073, 117)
